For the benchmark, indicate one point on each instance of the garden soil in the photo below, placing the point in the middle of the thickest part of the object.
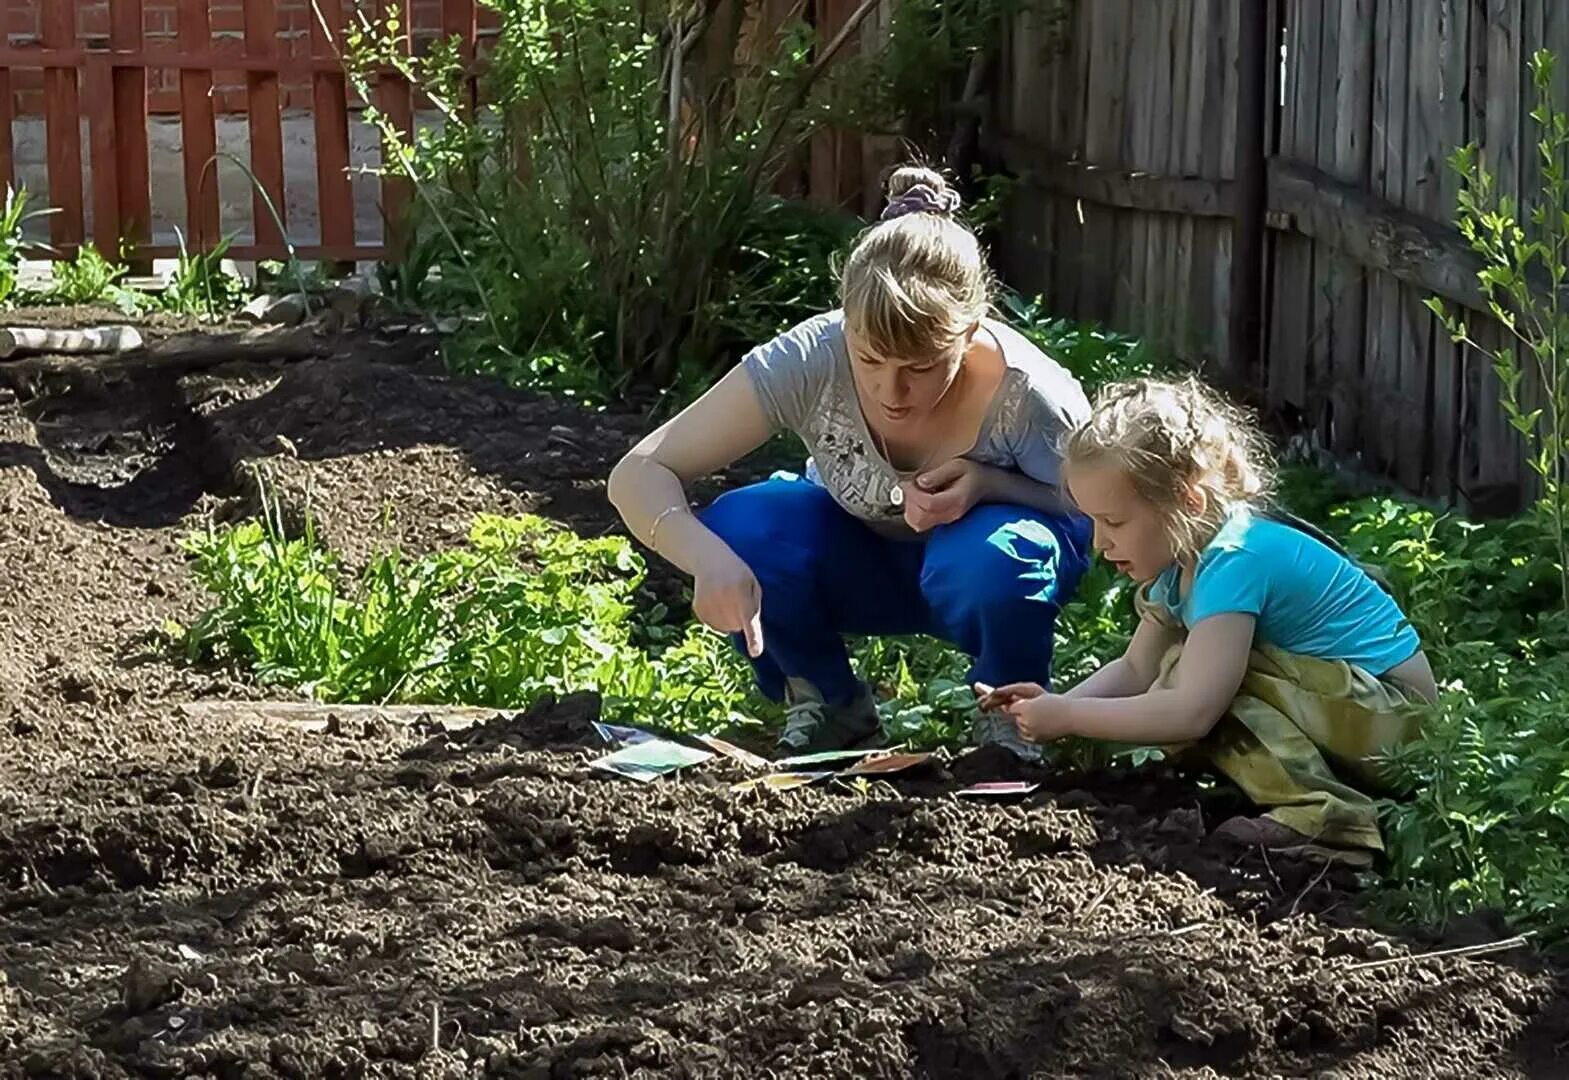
(208, 893)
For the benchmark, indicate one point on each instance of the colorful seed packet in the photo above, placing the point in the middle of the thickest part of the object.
(780, 781)
(888, 763)
(650, 759)
(735, 753)
(995, 788)
(826, 757)
(616, 735)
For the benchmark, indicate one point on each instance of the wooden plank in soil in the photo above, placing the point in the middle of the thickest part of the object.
(63, 131)
(263, 105)
(330, 101)
(133, 166)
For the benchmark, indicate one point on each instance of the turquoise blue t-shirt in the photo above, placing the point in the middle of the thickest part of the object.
(1308, 598)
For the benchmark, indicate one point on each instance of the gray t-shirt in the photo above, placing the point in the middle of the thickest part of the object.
(805, 385)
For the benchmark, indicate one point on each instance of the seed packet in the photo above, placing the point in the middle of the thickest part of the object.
(999, 787)
(650, 759)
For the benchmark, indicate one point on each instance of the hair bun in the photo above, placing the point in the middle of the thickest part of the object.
(922, 198)
(915, 189)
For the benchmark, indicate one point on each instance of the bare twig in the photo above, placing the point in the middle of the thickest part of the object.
(1309, 887)
(1089, 909)
(1464, 950)
(1268, 866)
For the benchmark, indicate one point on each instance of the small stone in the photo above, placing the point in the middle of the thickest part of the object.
(146, 985)
(1380, 950)
(349, 296)
(275, 310)
(609, 933)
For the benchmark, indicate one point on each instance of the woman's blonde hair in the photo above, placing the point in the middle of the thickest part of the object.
(917, 281)
(1173, 438)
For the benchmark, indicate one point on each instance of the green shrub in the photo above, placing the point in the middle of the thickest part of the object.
(607, 213)
(91, 278)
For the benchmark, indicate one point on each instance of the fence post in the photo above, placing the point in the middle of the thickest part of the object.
(397, 102)
(331, 103)
(1254, 52)
(133, 169)
(63, 123)
(262, 104)
(7, 153)
(198, 130)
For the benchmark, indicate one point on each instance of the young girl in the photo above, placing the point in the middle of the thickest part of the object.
(1259, 649)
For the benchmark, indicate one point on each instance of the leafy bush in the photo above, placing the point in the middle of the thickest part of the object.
(1484, 821)
(608, 210)
(91, 278)
(525, 607)
(1523, 276)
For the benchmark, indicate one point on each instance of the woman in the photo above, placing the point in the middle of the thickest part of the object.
(931, 502)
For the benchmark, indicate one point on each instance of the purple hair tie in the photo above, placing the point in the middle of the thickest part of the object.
(922, 199)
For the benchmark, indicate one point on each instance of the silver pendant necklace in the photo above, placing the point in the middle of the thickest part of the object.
(896, 494)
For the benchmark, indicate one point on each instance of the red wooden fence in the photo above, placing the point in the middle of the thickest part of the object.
(108, 86)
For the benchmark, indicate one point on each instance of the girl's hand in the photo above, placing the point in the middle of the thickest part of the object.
(998, 698)
(1042, 718)
(728, 598)
(943, 495)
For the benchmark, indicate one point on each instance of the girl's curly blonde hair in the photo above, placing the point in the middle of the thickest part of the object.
(1172, 438)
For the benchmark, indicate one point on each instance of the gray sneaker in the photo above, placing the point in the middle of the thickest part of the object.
(993, 730)
(812, 725)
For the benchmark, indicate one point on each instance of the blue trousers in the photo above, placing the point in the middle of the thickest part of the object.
(991, 583)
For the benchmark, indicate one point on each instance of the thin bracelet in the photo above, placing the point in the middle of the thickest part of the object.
(659, 519)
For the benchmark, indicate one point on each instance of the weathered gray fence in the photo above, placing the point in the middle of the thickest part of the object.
(1121, 115)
